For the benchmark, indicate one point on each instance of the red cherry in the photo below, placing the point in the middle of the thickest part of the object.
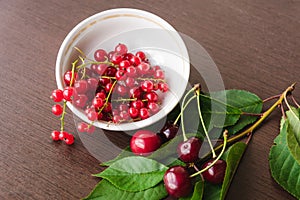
(141, 55)
(57, 95)
(216, 173)
(177, 182)
(100, 55)
(144, 113)
(57, 109)
(68, 78)
(188, 151)
(144, 142)
(55, 135)
(168, 132)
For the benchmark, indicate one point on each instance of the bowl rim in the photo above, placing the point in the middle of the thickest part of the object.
(69, 39)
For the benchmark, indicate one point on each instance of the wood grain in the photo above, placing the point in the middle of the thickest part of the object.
(255, 44)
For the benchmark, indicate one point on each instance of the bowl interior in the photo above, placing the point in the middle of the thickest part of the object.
(139, 30)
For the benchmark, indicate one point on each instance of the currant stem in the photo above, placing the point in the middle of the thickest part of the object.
(271, 98)
(62, 118)
(219, 156)
(258, 122)
(203, 124)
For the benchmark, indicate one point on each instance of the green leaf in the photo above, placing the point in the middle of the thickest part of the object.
(232, 157)
(245, 101)
(284, 168)
(292, 144)
(198, 192)
(104, 190)
(134, 173)
(294, 122)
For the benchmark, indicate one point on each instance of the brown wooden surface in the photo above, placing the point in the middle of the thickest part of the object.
(255, 44)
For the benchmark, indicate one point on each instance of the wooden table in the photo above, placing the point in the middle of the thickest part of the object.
(255, 44)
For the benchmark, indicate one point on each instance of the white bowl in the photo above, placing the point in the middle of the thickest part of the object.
(139, 30)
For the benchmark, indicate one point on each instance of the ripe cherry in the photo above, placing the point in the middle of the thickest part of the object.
(57, 109)
(216, 173)
(144, 142)
(188, 151)
(169, 131)
(57, 95)
(177, 182)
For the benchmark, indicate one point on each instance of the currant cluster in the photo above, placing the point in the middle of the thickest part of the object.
(116, 87)
(177, 179)
(61, 96)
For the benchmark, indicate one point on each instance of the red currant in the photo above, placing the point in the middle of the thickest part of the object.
(153, 107)
(57, 109)
(130, 82)
(100, 55)
(144, 113)
(57, 95)
(82, 127)
(151, 97)
(80, 101)
(97, 103)
(164, 87)
(62, 135)
(131, 71)
(101, 68)
(92, 115)
(116, 58)
(121, 49)
(141, 55)
(81, 86)
(147, 86)
(68, 93)
(120, 75)
(55, 135)
(69, 139)
(133, 112)
(92, 84)
(68, 78)
(137, 104)
(143, 68)
(135, 61)
(124, 64)
(111, 71)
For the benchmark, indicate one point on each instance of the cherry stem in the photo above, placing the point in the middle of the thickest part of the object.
(185, 96)
(295, 102)
(181, 112)
(216, 159)
(271, 98)
(203, 124)
(288, 105)
(260, 120)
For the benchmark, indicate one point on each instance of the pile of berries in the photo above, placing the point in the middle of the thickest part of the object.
(177, 179)
(114, 87)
